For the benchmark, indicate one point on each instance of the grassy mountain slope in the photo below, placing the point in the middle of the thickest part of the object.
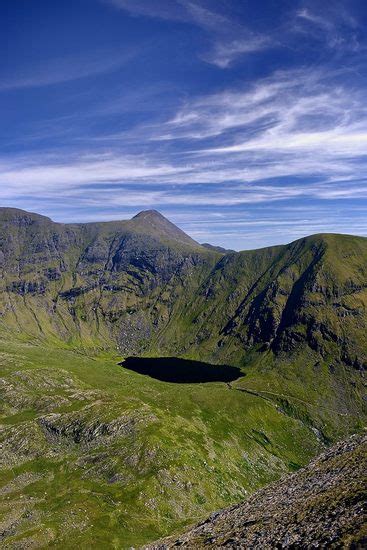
(323, 505)
(295, 317)
(92, 452)
(94, 285)
(312, 292)
(95, 455)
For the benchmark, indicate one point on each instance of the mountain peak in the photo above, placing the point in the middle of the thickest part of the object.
(149, 214)
(154, 223)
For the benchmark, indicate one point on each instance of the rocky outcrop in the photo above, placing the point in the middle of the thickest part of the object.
(321, 506)
(74, 428)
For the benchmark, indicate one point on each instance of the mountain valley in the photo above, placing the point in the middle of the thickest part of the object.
(98, 453)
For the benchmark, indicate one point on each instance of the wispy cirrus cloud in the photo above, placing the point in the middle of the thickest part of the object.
(307, 122)
(224, 53)
(67, 69)
(311, 98)
(315, 19)
(254, 144)
(220, 28)
(43, 173)
(171, 10)
(330, 23)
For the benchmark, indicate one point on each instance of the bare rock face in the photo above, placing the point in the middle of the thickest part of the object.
(320, 506)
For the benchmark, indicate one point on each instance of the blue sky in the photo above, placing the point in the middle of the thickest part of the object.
(243, 121)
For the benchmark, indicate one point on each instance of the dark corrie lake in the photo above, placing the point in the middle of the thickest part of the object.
(181, 371)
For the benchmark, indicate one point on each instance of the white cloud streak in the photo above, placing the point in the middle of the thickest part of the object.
(223, 54)
(295, 136)
(287, 127)
(331, 24)
(299, 122)
(220, 28)
(60, 70)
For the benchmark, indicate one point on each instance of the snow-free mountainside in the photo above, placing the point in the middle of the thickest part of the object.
(94, 453)
(322, 506)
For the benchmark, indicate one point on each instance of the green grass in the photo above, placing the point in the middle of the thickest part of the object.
(194, 448)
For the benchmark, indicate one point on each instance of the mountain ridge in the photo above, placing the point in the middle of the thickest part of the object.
(267, 297)
(154, 217)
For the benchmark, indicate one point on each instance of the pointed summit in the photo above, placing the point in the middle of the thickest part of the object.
(149, 215)
(154, 223)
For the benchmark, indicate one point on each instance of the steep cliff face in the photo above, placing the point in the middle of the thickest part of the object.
(321, 506)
